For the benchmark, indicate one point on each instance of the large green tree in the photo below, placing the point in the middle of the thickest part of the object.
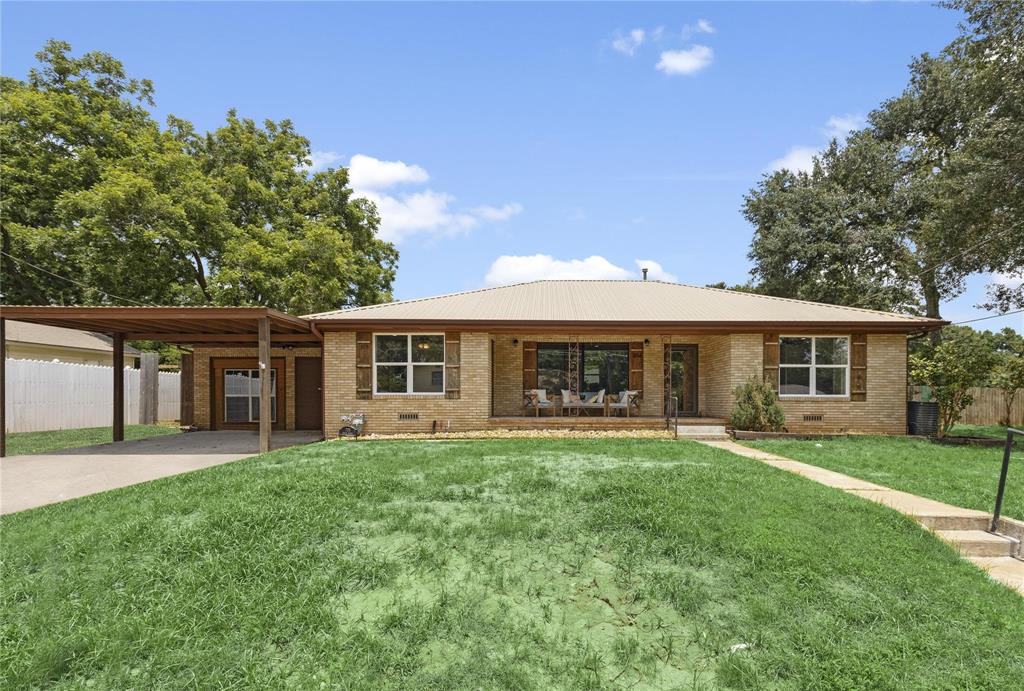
(930, 192)
(97, 191)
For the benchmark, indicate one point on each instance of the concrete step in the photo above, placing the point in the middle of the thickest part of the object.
(1006, 570)
(944, 522)
(979, 543)
(694, 430)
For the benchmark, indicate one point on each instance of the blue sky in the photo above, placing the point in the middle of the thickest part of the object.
(515, 141)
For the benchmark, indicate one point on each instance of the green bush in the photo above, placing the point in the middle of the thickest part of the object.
(757, 407)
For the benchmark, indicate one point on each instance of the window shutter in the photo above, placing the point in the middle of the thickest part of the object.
(771, 360)
(636, 367)
(452, 364)
(859, 367)
(529, 365)
(364, 365)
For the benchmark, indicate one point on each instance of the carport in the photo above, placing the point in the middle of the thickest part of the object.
(192, 326)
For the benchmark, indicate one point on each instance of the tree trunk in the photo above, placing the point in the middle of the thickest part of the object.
(931, 304)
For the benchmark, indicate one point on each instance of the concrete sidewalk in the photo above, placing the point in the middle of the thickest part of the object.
(39, 479)
(965, 529)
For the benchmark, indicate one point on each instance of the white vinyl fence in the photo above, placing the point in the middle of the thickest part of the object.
(63, 395)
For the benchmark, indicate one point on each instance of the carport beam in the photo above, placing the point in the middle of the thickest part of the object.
(265, 382)
(118, 424)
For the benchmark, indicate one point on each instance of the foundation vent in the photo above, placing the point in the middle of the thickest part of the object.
(813, 418)
(408, 416)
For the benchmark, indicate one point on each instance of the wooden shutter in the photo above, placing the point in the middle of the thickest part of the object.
(859, 367)
(529, 365)
(187, 413)
(771, 360)
(636, 367)
(364, 365)
(452, 364)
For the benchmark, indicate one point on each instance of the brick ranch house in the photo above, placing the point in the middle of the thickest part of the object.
(535, 354)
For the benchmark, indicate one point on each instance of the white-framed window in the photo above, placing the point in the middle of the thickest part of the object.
(242, 395)
(408, 364)
(814, 366)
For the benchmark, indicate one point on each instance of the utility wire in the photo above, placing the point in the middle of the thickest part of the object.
(991, 316)
(71, 280)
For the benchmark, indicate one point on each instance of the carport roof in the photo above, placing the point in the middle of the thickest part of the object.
(186, 325)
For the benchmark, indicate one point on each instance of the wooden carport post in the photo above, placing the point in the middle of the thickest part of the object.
(3, 387)
(265, 370)
(118, 426)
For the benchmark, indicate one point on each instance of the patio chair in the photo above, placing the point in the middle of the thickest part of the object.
(538, 400)
(627, 401)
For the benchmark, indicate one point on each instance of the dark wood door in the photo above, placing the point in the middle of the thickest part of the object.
(308, 397)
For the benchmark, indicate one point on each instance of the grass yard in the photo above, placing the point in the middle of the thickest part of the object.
(40, 442)
(985, 431)
(494, 564)
(960, 475)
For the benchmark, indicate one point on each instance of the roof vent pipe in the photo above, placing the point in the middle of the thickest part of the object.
(645, 273)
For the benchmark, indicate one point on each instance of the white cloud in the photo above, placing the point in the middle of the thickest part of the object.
(322, 160)
(423, 211)
(498, 213)
(628, 44)
(655, 272)
(703, 26)
(508, 269)
(798, 158)
(687, 61)
(840, 126)
(369, 173)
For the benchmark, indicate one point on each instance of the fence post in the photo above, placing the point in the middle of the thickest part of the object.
(149, 388)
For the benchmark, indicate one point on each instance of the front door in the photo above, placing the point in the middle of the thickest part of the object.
(308, 397)
(683, 374)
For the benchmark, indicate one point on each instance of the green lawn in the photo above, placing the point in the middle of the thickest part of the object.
(40, 442)
(494, 564)
(985, 431)
(960, 475)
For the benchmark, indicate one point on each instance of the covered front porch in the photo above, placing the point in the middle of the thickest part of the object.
(614, 380)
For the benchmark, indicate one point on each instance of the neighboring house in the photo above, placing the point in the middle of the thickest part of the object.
(27, 341)
(468, 361)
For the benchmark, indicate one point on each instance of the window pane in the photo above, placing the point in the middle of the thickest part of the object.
(795, 381)
(830, 351)
(830, 381)
(392, 349)
(795, 351)
(236, 409)
(552, 363)
(428, 348)
(428, 378)
(236, 382)
(605, 366)
(392, 378)
(255, 403)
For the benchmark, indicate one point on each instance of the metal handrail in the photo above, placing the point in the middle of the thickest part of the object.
(1010, 432)
(675, 405)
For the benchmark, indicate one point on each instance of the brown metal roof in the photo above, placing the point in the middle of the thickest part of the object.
(619, 303)
(192, 325)
(41, 334)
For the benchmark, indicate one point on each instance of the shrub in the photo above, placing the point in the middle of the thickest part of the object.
(963, 359)
(757, 407)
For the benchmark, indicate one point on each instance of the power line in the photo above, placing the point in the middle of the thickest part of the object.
(71, 280)
(991, 316)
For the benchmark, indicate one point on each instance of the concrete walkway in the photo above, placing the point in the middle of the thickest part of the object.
(39, 479)
(965, 529)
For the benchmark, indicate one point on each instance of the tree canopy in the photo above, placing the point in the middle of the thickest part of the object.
(930, 192)
(95, 190)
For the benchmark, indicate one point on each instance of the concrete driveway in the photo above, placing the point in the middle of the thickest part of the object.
(36, 480)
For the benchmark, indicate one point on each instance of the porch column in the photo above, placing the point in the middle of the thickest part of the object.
(265, 370)
(118, 425)
(3, 387)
